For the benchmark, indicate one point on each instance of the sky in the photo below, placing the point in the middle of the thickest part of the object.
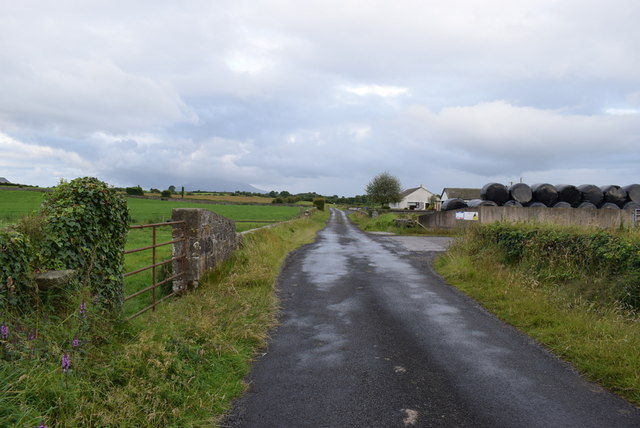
(320, 96)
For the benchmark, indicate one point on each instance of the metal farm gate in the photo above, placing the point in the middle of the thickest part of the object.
(155, 264)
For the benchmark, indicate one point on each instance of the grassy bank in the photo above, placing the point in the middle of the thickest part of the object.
(386, 223)
(179, 366)
(571, 289)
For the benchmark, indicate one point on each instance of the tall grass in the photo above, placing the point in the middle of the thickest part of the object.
(561, 286)
(178, 366)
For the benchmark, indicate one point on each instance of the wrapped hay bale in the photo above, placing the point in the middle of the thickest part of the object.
(495, 192)
(591, 193)
(545, 193)
(453, 204)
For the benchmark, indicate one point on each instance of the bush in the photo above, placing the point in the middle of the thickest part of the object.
(609, 262)
(16, 257)
(166, 194)
(136, 191)
(86, 225)
(319, 203)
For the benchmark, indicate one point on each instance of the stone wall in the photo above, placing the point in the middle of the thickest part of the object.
(210, 239)
(604, 218)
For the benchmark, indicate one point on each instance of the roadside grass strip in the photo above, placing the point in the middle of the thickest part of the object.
(181, 365)
(569, 312)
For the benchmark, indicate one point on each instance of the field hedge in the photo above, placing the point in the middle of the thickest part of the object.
(566, 254)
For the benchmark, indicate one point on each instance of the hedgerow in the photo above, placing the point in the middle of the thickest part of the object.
(86, 225)
(565, 254)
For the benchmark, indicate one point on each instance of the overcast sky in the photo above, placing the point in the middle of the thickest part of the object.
(305, 95)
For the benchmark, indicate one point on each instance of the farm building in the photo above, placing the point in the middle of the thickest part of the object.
(417, 198)
(465, 194)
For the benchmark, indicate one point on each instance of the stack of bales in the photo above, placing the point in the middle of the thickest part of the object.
(544, 195)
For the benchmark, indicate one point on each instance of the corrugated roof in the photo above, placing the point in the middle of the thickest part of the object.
(461, 192)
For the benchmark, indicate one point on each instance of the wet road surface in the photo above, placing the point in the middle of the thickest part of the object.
(370, 336)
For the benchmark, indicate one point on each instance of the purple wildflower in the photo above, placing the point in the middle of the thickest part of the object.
(4, 331)
(66, 362)
(42, 426)
(76, 342)
(33, 335)
(83, 308)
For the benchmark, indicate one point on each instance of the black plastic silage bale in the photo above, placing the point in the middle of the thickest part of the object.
(453, 204)
(562, 204)
(536, 204)
(512, 203)
(614, 194)
(521, 193)
(587, 205)
(569, 193)
(591, 193)
(633, 192)
(631, 206)
(474, 203)
(495, 192)
(544, 193)
(609, 206)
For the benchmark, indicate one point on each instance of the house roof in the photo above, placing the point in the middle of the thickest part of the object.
(407, 192)
(461, 192)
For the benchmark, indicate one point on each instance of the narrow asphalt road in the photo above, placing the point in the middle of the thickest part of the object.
(370, 336)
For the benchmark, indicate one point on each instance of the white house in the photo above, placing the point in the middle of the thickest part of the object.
(417, 198)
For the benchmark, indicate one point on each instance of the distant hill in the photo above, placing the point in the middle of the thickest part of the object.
(220, 186)
(4, 181)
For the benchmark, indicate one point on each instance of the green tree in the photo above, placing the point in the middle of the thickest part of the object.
(384, 189)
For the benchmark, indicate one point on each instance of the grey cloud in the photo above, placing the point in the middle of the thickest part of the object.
(257, 92)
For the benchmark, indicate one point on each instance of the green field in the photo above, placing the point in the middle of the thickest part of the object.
(15, 204)
(152, 211)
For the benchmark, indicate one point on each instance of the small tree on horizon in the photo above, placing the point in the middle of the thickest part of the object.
(384, 189)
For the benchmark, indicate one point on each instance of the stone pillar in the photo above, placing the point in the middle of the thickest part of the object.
(209, 239)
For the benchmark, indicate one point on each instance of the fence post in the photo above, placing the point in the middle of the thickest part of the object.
(209, 239)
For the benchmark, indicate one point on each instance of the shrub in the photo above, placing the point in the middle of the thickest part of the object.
(319, 203)
(166, 194)
(86, 225)
(608, 261)
(137, 191)
(16, 256)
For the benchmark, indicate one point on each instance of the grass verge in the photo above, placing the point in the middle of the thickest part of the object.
(598, 337)
(179, 366)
